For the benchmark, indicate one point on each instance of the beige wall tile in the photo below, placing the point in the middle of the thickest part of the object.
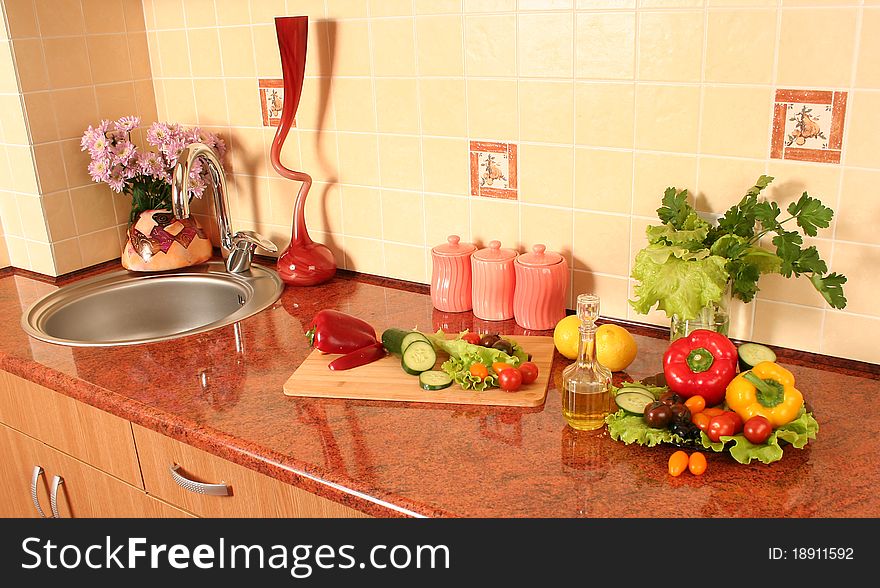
(9, 215)
(243, 102)
(232, 12)
(350, 48)
(93, 208)
(391, 7)
(859, 206)
(489, 5)
(8, 73)
(60, 17)
(400, 162)
(100, 246)
(397, 105)
(787, 325)
(791, 179)
(76, 163)
(58, 212)
(21, 164)
(134, 15)
(740, 46)
(200, 13)
(823, 60)
(139, 52)
(75, 110)
(264, 11)
(601, 243)
(490, 49)
(249, 152)
(612, 292)
(437, 6)
(249, 199)
(364, 255)
(546, 111)
(211, 102)
(323, 207)
(67, 256)
(205, 52)
(316, 105)
(36, 117)
(361, 212)
(669, 46)
(443, 107)
(405, 263)
(18, 254)
(656, 172)
(40, 255)
(393, 44)
(494, 219)
(546, 226)
(4, 254)
(545, 4)
(21, 18)
(605, 45)
(50, 167)
(544, 45)
(354, 103)
(794, 290)
(545, 174)
(103, 16)
(116, 100)
(347, 8)
(851, 259)
(862, 145)
(145, 98)
(603, 180)
(33, 224)
(739, 3)
(492, 109)
(846, 335)
(439, 46)
(236, 51)
(402, 217)
(736, 121)
(180, 101)
(604, 115)
(174, 51)
(444, 216)
(358, 159)
(319, 155)
(723, 182)
(31, 65)
(667, 117)
(868, 72)
(446, 164)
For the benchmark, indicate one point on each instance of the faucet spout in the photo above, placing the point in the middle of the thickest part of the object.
(237, 248)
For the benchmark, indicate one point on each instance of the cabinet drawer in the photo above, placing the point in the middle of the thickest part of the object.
(251, 494)
(85, 432)
(84, 493)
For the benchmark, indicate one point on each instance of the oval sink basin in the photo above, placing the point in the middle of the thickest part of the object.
(127, 308)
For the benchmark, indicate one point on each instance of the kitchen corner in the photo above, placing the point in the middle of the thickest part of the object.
(220, 392)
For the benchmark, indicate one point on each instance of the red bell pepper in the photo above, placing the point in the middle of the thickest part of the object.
(368, 354)
(333, 331)
(702, 363)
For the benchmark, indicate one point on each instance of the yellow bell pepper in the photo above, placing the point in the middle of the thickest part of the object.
(766, 390)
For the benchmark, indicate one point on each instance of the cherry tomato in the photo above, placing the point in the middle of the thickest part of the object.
(500, 366)
(701, 419)
(697, 463)
(478, 370)
(678, 463)
(757, 429)
(472, 338)
(695, 404)
(736, 419)
(529, 372)
(720, 426)
(510, 379)
(713, 411)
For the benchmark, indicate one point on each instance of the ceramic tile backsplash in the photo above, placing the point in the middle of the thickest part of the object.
(527, 121)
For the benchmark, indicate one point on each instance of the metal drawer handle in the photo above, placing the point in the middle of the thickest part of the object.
(53, 502)
(38, 471)
(220, 489)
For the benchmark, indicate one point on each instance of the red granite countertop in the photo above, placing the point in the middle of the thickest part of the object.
(392, 459)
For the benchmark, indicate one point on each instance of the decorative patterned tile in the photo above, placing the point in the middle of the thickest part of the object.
(808, 125)
(272, 101)
(493, 169)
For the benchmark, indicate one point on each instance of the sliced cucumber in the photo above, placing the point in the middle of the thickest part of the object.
(418, 357)
(633, 401)
(434, 380)
(392, 340)
(410, 337)
(751, 354)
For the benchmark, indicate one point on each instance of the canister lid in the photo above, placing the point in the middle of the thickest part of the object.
(539, 257)
(453, 247)
(494, 252)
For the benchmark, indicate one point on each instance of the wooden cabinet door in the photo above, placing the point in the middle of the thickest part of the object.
(251, 494)
(83, 492)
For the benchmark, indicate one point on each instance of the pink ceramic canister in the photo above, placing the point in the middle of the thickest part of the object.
(541, 283)
(451, 275)
(494, 278)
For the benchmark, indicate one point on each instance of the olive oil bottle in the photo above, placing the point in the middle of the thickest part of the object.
(586, 384)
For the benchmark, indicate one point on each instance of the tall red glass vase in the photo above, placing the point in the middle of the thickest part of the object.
(304, 262)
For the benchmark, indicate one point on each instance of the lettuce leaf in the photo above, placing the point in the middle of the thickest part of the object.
(797, 433)
(632, 428)
(462, 355)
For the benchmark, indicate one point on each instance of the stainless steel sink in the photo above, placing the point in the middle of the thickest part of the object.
(127, 308)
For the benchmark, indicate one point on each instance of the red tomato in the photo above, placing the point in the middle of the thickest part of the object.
(736, 419)
(529, 372)
(478, 370)
(472, 338)
(757, 429)
(500, 366)
(720, 426)
(713, 411)
(510, 379)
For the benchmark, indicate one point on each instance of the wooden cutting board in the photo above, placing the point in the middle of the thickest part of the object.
(385, 380)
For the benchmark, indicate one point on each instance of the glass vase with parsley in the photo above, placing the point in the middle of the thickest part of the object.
(692, 267)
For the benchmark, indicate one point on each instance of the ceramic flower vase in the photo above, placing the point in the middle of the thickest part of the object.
(157, 241)
(304, 262)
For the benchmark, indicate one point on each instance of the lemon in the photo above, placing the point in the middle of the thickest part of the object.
(615, 347)
(566, 336)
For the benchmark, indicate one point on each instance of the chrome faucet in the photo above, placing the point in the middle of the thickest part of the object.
(237, 248)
